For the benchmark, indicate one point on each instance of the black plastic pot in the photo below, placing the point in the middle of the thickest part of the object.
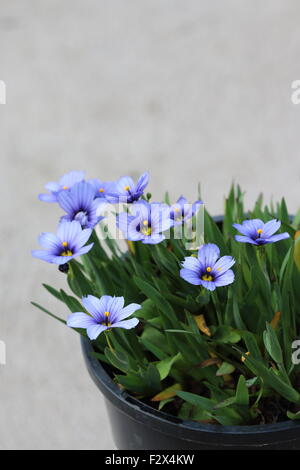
(137, 426)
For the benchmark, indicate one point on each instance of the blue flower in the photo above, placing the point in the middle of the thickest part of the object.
(66, 244)
(146, 222)
(208, 269)
(125, 190)
(64, 184)
(255, 231)
(102, 188)
(182, 210)
(105, 313)
(80, 204)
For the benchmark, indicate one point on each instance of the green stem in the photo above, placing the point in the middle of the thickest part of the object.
(215, 300)
(109, 342)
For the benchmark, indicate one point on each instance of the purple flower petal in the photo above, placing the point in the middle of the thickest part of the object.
(124, 182)
(223, 264)
(71, 178)
(65, 201)
(208, 254)
(69, 231)
(47, 197)
(270, 228)
(129, 310)
(95, 306)
(84, 249)
(241, 239)
(83, 237)
(142, 182)
(80, 320)
(278, 237)
(225, 278)
(192, 263)
(49, 241)
(61, 259)
(53, 186)
(43, 255)
(209, 285)
(250, 228)
(190, 276)
(94, 331)
(153, 239)
(114, 306)
(127, 324)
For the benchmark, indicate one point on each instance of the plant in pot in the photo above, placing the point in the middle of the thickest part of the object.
(193, 344)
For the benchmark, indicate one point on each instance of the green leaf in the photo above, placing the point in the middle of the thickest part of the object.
(48, 313)
(146, 382)
(272, 344)
(148, 310)
(227, 402)
(53, 291)
(72, 303)
(118, 359)
(167, 393)
(242, 395)
(160, 302)
(225, 369)
(162, 403)
(272, 380)
(197, 400)
(165, 365)
(77, 281)
(251, 344)
(293, 415)
(297, 252)
(225, 334)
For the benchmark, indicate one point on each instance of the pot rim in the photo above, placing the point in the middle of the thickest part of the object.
(131, 406)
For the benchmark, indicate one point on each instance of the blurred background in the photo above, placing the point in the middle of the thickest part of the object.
(190, 91)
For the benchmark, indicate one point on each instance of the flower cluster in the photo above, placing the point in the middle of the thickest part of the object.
(205, 319)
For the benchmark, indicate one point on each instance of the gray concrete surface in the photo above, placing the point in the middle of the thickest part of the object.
(189, 90)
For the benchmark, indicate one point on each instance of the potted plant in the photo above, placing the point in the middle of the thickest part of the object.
(193, 341)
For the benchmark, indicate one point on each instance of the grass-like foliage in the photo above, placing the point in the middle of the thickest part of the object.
(224, 356)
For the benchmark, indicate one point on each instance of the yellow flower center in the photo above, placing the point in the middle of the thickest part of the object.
(65, 187)
(146, 231)
(66, 253)
(127, 188)
(207, 277)
(208, 269)
(259, 231)
(101, 190)
(64, 243)
(106, 314)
